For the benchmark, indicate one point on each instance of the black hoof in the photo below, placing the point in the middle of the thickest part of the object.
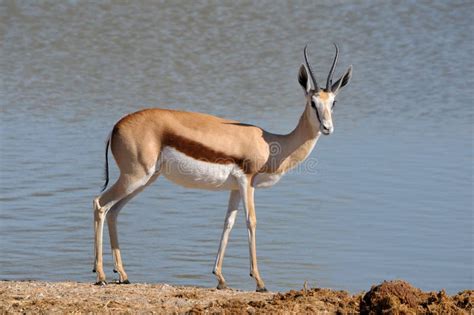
(115, 271)
(222, 286)
(124, 282)
(101, 283)
(262, 289)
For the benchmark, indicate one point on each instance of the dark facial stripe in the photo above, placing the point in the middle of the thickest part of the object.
(313, 105)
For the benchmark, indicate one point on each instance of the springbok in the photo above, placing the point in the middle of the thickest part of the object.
(203, 151)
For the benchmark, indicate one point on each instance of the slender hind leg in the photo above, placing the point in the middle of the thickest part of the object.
(232, 209)
(125, 185)
(112, 226)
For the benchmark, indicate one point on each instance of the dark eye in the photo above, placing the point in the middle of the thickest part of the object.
(313, 105)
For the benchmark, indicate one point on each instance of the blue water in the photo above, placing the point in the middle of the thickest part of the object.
(387, 196)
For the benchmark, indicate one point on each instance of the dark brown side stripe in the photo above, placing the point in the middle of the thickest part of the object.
(203, 153)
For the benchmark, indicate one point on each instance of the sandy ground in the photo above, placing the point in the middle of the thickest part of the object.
(394, 297)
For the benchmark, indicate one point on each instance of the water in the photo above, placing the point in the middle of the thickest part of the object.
(389, 195)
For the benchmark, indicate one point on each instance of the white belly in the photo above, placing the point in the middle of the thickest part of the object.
(189, 172)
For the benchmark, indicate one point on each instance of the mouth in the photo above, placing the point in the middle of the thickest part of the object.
(325, 131)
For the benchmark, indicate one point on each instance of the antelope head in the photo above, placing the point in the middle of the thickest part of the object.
(322, 100)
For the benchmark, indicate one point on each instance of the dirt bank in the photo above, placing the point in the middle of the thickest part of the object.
(396, 297)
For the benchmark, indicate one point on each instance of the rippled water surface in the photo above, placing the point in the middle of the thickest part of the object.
(388, 195)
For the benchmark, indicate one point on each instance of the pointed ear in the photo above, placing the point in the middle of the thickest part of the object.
(343, 80)
(303, 79)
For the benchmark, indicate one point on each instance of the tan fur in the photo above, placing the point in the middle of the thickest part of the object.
(203, 137)
(256, 158)
(141, 135)
(136, 144)
(324, 96)
(292, 148)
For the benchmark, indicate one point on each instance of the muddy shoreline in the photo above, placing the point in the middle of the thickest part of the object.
(37, 297)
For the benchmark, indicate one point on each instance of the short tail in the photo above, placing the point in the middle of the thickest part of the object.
(106, 168)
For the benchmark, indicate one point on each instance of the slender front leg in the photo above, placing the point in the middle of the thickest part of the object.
(247, 193)
(232, 209)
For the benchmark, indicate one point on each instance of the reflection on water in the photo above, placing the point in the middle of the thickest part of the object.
(391, 196)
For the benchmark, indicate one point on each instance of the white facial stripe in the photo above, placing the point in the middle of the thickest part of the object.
(323, 102)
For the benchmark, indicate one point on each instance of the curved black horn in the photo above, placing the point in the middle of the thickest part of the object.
(333, 67)
(313, 79)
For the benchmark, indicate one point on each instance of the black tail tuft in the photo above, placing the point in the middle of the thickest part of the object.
(106, 171)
